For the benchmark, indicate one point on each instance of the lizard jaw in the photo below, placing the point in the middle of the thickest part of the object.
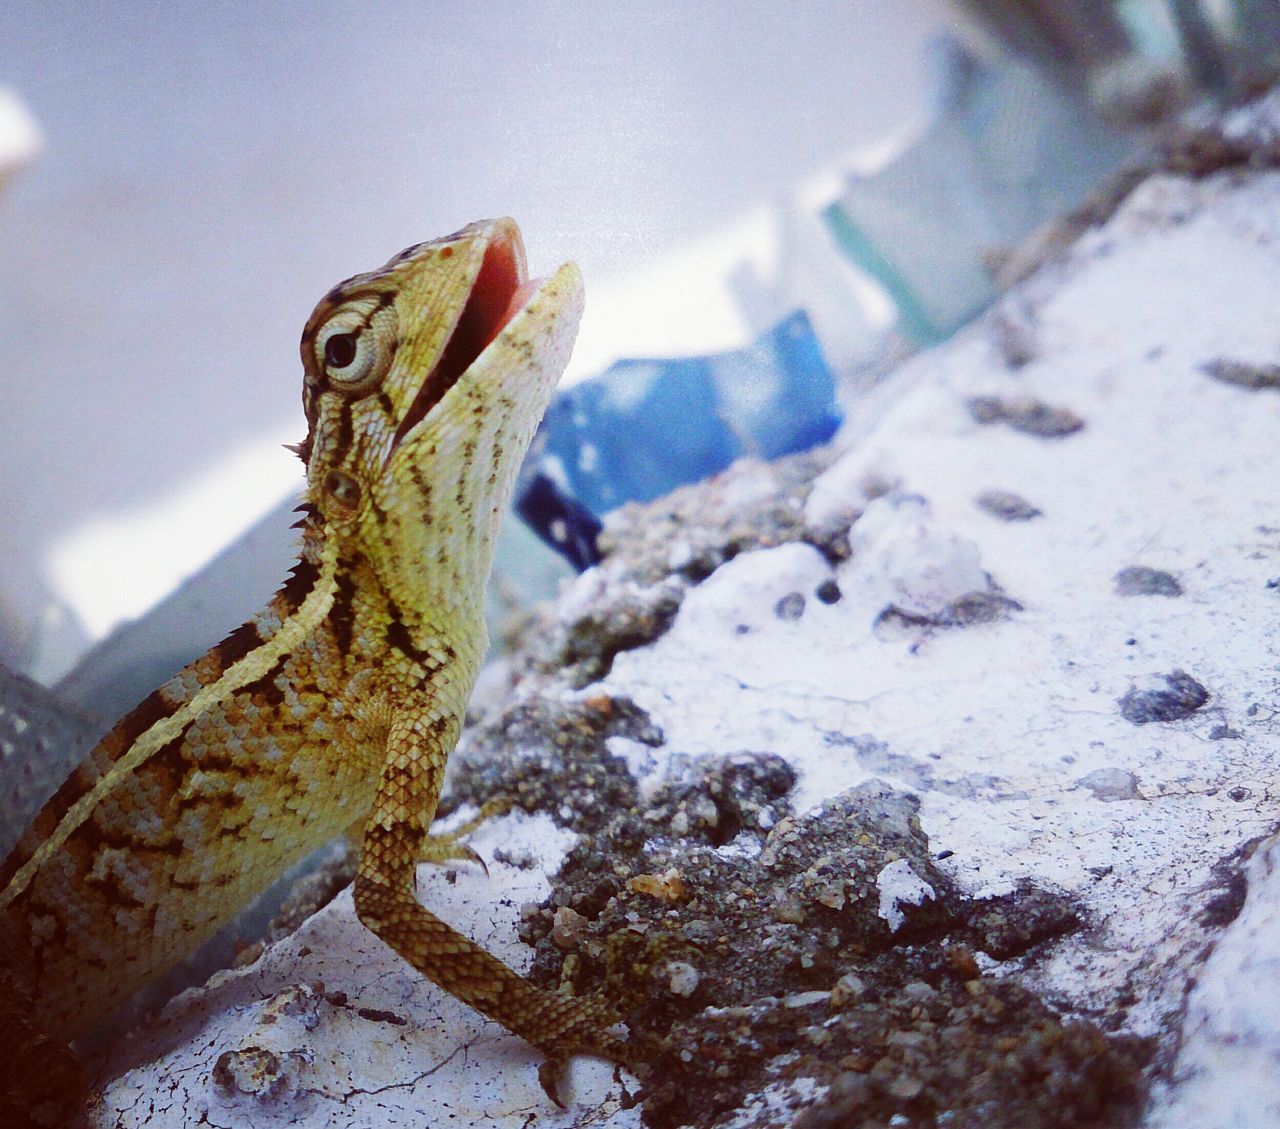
(501, 290)
(446, 483)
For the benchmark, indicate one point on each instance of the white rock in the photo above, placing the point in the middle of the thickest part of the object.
(745, 592)
(842, 491)
(902, 557)
(1226, 1072)
(900, 886)
(682, 978)
(1011, 732)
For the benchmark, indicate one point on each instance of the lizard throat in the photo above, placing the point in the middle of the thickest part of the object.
(500, 291)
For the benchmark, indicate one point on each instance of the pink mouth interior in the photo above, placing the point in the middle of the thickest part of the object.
(519, 299)
(500, 292)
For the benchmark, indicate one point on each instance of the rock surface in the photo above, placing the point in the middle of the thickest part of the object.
(867, 803)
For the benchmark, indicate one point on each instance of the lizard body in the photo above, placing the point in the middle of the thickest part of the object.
(338, 704)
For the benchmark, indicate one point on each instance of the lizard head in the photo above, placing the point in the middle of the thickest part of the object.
(424, 383)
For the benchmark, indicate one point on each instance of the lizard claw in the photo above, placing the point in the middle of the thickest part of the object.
(549, 1076)
(469, 854)
(449, 846)
(554, 1065)
(442, 849)
(587, 1034)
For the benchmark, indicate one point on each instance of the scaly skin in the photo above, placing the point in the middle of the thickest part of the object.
(339, 703)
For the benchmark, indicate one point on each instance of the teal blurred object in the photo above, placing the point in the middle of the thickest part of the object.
(1230, 49)
(644, 427)
(1006, 153)
(1062, 39)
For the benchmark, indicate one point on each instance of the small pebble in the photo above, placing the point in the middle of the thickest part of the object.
(1006, 505)
(682, 978)
(667, 887)
(1032, 417)
(828, 592)
(1179, 696)
(567, 928)
(905, 1087)
(1242, 374)
(1109, 784)
(847, 990)
(1139, 580)
(790, 607)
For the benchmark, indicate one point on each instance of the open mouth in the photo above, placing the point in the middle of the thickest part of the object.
(501, 290)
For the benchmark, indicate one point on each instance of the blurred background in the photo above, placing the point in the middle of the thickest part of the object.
(179, 183)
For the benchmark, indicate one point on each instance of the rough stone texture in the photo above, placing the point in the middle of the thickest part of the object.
(891, 852)
(1225, 1071)
(832, 945)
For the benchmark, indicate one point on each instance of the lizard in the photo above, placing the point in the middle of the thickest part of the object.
(334, 708)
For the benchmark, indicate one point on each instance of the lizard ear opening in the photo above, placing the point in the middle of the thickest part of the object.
(495, 298)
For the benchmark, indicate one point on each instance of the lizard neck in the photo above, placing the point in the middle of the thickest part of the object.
(399, 619)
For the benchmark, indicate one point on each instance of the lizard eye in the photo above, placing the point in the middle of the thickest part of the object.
(339, 350)
(349, 355)
(355, 347)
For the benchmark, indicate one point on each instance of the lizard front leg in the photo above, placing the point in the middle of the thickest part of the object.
(395, 838)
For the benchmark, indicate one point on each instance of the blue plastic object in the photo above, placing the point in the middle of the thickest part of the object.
(644, 427)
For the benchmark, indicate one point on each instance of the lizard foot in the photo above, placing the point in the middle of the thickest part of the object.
(448, 846)
(580, 1025)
